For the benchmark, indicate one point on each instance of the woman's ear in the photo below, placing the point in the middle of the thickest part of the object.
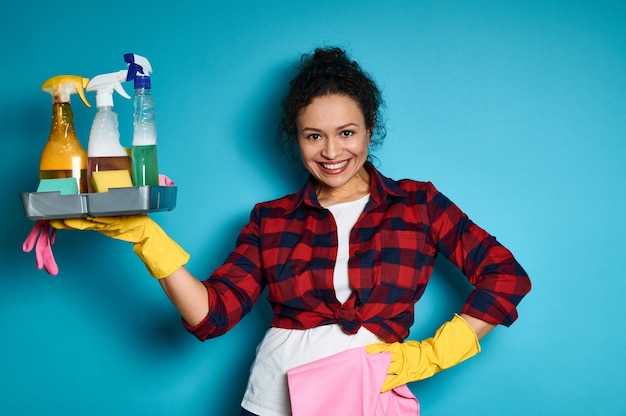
(370, 129)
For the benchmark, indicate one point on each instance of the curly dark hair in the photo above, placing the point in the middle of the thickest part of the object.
(330, 71)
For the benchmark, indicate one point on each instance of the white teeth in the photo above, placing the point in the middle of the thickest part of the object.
(335, 165)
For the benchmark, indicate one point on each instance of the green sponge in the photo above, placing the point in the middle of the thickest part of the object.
(66, 186)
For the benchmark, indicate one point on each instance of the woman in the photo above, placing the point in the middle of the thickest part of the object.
(344, 259)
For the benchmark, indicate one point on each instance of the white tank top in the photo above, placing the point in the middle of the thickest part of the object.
(281, 349)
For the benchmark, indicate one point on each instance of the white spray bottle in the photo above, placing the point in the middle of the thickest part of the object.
(104, 149)
(144, 149)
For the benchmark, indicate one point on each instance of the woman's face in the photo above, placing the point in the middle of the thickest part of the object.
(333, 141)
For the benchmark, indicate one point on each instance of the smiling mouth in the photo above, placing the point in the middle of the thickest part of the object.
(334, 166)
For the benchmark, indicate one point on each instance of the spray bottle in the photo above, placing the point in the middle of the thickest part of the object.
(144, 147)
(63, 156)
(104, 149)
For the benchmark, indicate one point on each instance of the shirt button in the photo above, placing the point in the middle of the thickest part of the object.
(356, 253)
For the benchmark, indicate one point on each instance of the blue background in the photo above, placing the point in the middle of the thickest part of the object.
(514, 109)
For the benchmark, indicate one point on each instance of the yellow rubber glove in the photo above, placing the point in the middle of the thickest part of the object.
(454, 341)
(161, 255)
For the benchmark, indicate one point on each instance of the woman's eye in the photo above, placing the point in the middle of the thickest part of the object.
(347, 133)
(313, 136)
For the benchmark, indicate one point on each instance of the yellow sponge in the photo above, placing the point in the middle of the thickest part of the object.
(104, 180)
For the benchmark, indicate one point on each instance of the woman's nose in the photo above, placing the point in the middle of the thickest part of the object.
(332, 148)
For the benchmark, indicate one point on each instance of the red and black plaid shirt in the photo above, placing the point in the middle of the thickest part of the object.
(290, 246)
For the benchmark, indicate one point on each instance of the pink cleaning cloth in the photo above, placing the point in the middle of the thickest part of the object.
(348, 383)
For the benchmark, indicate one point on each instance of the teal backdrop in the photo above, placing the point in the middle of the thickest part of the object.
(516, 110)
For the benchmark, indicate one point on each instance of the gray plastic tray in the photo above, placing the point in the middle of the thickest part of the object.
(117, 201)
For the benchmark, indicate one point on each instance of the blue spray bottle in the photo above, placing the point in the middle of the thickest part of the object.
(145, 169)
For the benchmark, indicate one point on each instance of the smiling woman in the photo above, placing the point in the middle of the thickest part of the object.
(329, 72)
(344, 259)
(333, 140)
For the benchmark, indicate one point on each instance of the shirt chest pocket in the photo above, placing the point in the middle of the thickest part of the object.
(404, 257)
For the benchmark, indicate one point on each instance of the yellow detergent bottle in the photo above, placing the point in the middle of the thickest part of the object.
(63, 156)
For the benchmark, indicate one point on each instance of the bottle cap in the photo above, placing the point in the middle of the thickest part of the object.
(142, 82)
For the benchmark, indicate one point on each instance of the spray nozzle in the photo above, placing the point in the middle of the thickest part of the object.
(62, 86)
(139, 69)
(105, 84)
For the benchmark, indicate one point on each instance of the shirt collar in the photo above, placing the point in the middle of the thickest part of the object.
(380, 188)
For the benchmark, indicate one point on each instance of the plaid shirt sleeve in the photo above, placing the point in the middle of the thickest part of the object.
(234, 287)
(500, 282)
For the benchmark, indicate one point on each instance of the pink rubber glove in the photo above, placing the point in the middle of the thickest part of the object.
(41, 237)
(165, 181)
